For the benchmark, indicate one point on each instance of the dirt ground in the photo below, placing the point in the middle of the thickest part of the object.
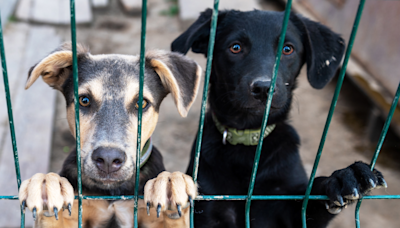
(115, 32)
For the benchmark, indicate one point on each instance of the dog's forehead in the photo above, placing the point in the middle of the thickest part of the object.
(256, 24)
(114, 71)
(110, 69)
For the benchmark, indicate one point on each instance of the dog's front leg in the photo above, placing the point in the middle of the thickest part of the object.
(171, 194)
(46, 195)
(343, 187)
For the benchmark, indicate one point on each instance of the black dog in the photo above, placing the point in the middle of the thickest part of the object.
(244, 56)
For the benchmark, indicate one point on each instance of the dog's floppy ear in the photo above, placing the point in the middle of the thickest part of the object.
(197, 35)
(323, 50)
(56, 67)
(179, 75)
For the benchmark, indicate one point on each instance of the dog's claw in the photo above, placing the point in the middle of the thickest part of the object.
(179, 207)
(382, 183)
(56, 213)
(355, 195)
(372, 183)
(69, 209)
(34, 214)
(191, 201)
(339, 201)
(148, 208)
(23, 205)
(158, 210)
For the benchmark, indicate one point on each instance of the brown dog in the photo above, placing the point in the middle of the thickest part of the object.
(108, 97)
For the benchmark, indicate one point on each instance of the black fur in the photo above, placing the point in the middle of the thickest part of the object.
(226, 169)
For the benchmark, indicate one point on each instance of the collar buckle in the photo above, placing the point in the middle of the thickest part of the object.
(224, 135)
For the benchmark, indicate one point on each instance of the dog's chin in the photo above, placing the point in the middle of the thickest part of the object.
(109, 181)
(106, 184)
(258, 109)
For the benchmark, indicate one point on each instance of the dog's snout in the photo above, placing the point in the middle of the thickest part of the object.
(259, 89)
(108, 159)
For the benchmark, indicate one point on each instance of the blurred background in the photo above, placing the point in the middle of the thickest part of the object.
(33, 28)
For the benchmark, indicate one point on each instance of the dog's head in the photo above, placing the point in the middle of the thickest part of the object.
(244, 57)
(108, 97)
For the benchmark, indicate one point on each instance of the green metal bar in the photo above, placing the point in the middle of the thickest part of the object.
(140, 109)
(76, 103)
(266, 112)
(379, 146)
(10, 117)
(225, 197)
(283, 197)
(332, 109)
(8, 197)
(210, 51)
(385, 128)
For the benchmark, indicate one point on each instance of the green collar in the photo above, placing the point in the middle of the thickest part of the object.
(146, 152)
(247, 137)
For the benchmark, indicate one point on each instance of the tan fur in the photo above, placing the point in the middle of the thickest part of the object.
(86, 126)
(169, 81)
(57, 191)
(97, 212)
(182, 222)
(53, 190)
(23, 190)
(49, 67)
(191, 187)
(46, 191)
(34, 197)
(159, 58)
(132, 92)
(169, 189)
(178, 190)
(93, 87)
(199, 72)
(67, 191)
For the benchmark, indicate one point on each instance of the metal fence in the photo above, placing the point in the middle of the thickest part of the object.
(249, 197)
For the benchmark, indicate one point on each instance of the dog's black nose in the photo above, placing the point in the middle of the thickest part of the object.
(108, 159)
(259, 89)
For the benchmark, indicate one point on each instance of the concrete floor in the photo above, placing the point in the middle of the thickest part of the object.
(114, 32)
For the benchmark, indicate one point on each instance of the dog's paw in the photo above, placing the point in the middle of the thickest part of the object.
(347, 185)
(173, 191)
(46, 191)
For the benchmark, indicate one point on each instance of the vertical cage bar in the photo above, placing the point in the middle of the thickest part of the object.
(210, 51)
(379, 146)
(332, 109)
(140, 109)
(76, 103)
(267, 110)
(10, 117)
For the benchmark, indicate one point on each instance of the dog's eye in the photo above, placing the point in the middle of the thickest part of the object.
(84, 101)
(287, 49)
(235, 48)
(144, 104)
